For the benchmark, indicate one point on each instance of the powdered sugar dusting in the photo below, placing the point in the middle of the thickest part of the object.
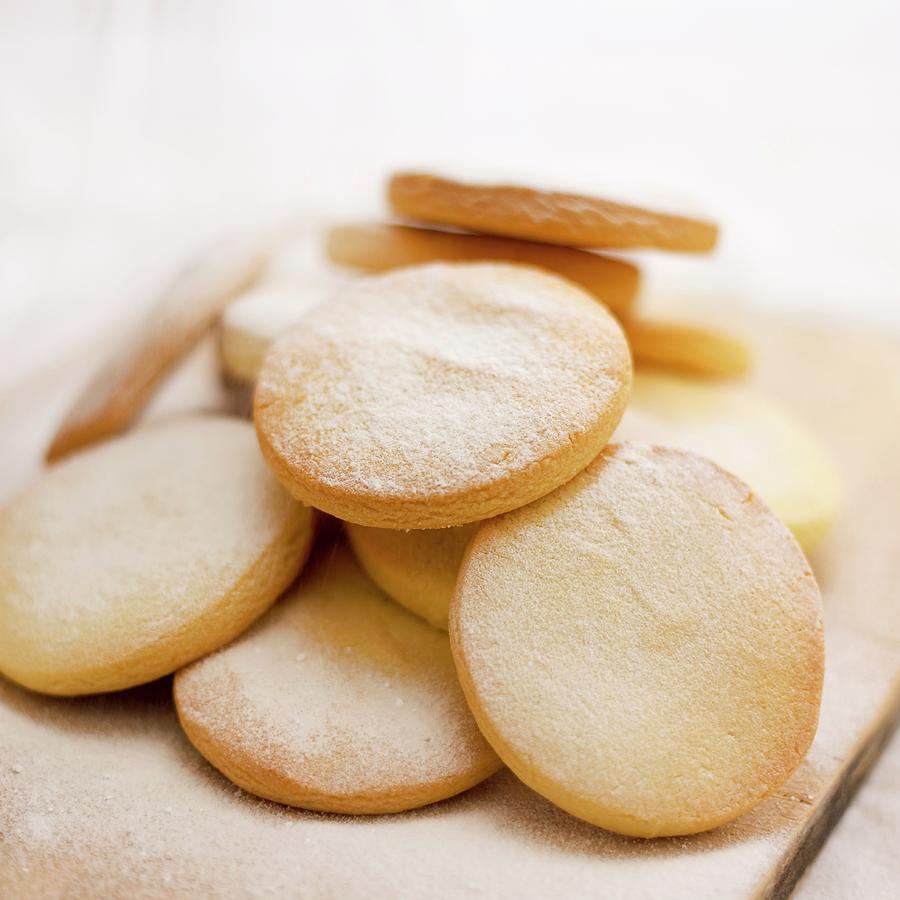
(175, 828)
(442, 378)
(121, 546)
(339, 691)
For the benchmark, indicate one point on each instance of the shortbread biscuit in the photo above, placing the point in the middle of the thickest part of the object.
(128, 560)
(382, 247)
(683, 347)
(643, 646)
(257, 318)
(573, 220)
(338, 700)
(728, 423)
(745, 434)
(118, 393)
(415, 568)
(441, 394)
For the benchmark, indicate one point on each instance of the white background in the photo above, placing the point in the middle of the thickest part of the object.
(130, 131)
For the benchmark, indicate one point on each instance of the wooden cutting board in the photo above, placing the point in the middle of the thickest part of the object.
(104, 797)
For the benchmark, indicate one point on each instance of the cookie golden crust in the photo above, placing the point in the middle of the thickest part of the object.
(643, 646)
(382, 247)
(338, 700)
(126, 561)
(745, 434)
(416, 568)
(118, 393)
(573, 220)
(442, 394)
(690, 349)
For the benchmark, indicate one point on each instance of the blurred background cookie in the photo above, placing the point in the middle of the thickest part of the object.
(747, 435)
(117, 394)
(258, 317)
(574, 220)
(686, 347)
(377, 248)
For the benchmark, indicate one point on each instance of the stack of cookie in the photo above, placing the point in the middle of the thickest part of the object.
(632, 629)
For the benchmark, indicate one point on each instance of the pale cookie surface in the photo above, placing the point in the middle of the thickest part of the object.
(382, 247)
(416, 568)
(338, 700)
(686, 347)
(129, 560)
(442, 394)
(574, 220)
(117, 394)
(257, 318)
(745, 434)
(643, 646)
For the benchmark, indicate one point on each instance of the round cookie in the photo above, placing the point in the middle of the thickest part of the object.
(693, 349)
(128, 560)
(746, 435)
(257, 318)
(573, 220)
(415, 568)
(382, 247)
(643, 646)
(338, 700)
(441, 394)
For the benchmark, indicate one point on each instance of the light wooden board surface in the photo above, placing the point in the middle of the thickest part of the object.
(859, 861)
(73, 821)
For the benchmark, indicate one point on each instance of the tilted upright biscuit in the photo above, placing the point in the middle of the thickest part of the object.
(117, 394)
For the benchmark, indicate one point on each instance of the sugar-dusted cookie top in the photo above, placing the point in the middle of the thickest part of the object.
(338, 700)
(130, 559)
(441, 394)
(643, 646)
